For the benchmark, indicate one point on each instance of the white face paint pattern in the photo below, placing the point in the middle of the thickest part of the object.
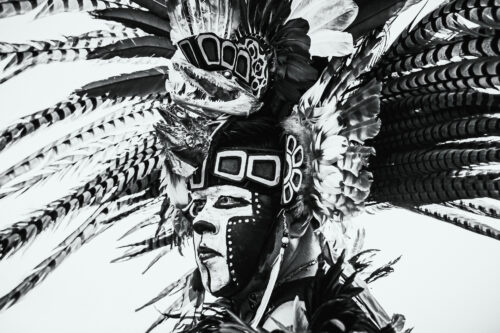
(215, 269)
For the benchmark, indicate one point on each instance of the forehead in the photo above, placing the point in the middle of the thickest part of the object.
(222, 190)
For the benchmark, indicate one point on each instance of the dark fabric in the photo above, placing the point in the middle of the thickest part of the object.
(288, 291)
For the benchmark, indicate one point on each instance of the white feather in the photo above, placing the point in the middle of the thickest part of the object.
(325, 14)
(330, 43)
(333, 147)
(330, 124)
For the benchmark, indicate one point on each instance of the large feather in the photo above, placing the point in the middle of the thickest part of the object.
(103, 218)
(137, 84)
(73, 140)
(454, 217)
(51, 7)
(135, 18)
(443, 24)
(325, 14)
(111, 183)
(147, 46)
(18, 7)
(23, 56)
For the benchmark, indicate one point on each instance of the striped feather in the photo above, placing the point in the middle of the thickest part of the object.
(23, 56)
(424, 119)
(94, 153)
(482, 206)
(362, 131)
(435, 188)
(51, 7)
(424, 104)
(454, 217)
(78, 138)
(443, 24)
(480, 75)
(111, 183)
(471, 127)
(440, 158)
(73, 242)
(18, 7)
(89, 40)
(22, 61)
(103, 218)
(75, 105)
(465, 48)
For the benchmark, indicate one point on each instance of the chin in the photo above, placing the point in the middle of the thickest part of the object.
(215, 274)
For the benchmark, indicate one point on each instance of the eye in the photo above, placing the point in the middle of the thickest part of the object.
(227, 74)
(226, 202)
(196, 207)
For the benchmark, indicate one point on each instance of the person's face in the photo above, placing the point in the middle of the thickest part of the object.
(232, 226)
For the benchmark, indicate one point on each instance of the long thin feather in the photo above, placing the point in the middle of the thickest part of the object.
(135, 18)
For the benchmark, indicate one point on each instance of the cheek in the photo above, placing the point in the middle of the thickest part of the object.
(248, 238)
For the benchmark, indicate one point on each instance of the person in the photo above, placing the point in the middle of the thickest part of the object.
(253, 250)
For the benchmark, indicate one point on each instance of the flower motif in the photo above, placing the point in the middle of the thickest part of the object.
(293, 175)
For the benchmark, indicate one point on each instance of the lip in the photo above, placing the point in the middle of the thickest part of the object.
(206, 253)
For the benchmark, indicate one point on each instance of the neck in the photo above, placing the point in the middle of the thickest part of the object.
(300, 252)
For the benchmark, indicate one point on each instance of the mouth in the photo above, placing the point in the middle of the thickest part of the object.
(206, 253)
(199, 90)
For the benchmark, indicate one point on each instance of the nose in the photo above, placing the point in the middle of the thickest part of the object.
(202, 226)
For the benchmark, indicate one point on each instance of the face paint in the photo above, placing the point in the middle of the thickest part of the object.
(232, 228)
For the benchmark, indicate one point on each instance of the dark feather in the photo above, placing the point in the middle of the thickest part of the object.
(62, 110)
(431, 104)
(157, 7)
(147, 46)
(135, 18)
(435, 188)
(441, 158)
(141, 83)
(467, 128)
(373, 14)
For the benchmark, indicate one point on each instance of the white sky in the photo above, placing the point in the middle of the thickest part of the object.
(447, 280)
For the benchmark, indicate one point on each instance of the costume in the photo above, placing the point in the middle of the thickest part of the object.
(271, 125)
